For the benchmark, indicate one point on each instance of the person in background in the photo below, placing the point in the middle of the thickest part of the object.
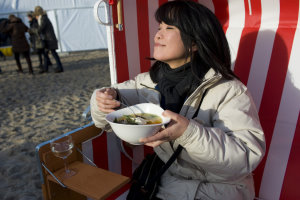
(2, 56)
(37, 44)
(4, 37)
(46, 30)
(17, 29)
(213, 116)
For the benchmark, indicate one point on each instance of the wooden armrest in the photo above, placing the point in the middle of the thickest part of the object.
(93, 182)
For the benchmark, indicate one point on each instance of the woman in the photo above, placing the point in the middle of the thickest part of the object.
(45, 28)
(37, 44)
(222, 138)
(17, 29)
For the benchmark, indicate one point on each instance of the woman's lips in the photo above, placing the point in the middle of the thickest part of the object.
(158, 45)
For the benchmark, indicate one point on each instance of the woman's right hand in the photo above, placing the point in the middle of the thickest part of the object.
(106, 100)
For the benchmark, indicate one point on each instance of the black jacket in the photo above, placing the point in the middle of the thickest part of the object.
(47, 32)
(17, 29)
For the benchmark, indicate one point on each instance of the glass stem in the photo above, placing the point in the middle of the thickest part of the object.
(66, 166)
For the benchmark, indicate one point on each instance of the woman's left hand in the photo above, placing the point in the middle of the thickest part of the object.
(175, 129)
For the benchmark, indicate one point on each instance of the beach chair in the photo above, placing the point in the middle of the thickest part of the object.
(92, 179)
(264, 40)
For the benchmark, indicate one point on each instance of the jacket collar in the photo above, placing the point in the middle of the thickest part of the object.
(210, 74)
(191, 104)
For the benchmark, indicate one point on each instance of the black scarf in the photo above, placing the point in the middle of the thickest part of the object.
(175, 85)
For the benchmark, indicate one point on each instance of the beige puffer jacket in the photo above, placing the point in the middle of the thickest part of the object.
(222, 145)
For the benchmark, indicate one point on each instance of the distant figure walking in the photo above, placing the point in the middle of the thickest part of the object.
(36, 42)
(17, 29)
(46, 30)
(4, 37)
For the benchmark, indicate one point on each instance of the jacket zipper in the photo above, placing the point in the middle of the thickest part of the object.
(205, 85)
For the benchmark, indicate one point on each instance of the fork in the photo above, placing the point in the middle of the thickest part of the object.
(135, 115)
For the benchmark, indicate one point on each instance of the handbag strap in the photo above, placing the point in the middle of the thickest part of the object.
(167, 165)
(179, 148)
(197, 111)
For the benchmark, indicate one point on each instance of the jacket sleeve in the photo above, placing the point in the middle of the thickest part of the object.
(233, 144)
(98, 116)
(34, 32)
(26, 28)
(6, 29)
(127, 92)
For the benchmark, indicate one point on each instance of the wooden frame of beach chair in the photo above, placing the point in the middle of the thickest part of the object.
(89, 181)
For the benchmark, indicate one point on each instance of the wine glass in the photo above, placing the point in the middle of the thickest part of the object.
(62, 148)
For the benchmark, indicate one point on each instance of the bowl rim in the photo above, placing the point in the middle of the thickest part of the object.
(139, 125)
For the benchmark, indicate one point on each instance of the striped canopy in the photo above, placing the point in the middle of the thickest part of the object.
(264, 39)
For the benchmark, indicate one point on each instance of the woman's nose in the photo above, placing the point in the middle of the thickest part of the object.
(157, 35)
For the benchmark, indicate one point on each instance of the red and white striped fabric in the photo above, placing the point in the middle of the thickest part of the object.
(264, 38)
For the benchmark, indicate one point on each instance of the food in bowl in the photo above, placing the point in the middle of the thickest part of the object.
(139, 119)
(132, 133)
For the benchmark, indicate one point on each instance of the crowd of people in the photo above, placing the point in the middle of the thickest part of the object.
(42, 40)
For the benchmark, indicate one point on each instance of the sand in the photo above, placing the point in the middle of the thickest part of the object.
(34, 109)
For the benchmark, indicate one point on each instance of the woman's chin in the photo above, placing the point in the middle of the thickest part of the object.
(158, 58)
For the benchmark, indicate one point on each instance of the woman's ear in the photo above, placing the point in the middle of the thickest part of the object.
(194, 47)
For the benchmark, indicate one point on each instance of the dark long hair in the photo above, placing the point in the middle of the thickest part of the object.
(198, 26)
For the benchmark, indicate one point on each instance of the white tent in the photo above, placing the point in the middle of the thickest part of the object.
(75, 27)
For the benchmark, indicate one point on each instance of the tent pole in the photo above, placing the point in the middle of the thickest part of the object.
(58, 31)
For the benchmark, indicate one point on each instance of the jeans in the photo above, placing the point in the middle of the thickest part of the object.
(28, 60)
(57, 60)
(42, 53)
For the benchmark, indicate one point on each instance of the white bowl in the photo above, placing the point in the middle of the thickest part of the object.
(133, 133)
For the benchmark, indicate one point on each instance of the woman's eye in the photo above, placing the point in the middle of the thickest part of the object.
(170, 27)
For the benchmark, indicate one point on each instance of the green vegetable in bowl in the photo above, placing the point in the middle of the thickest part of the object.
(139, 119)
